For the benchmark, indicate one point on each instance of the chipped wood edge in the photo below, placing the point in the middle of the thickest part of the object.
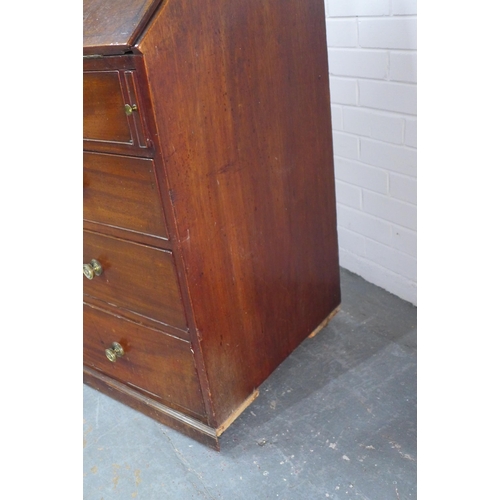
(236, 413)
(324, 323)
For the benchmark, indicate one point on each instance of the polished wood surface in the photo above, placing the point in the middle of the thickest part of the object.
(111, 27)
(135, 277)
(248, 154)
(106, 125)
(157, 364)
(122, 192)
(233, 107)
(104, 117)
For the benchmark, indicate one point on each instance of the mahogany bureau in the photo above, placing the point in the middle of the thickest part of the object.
(210, 241)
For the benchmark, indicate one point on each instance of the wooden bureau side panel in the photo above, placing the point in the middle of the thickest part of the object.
(158, 364)
(121, 191)
(135, 277)
(245, 134)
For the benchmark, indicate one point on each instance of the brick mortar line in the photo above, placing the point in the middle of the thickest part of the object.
(392, 114)
(366, 137)
(379, 217)
(368, 78)
(376, 241)
(376, 17)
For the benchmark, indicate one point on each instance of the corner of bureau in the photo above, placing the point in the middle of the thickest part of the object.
(210, 241)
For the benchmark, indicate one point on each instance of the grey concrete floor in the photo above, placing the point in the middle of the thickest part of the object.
(336, 420)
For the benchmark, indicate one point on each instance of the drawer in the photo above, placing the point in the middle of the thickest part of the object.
(134, 277)
(112, 114)
(156, 363)
(121, 191)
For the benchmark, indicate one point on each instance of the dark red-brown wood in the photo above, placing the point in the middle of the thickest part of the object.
(159, 365)
(111, 27)
(248, 154)
(134, 277)
(106, 126)
(104, 116)
(233, 106)
(121, 191)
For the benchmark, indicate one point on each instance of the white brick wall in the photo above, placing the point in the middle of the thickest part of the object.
(372, 61)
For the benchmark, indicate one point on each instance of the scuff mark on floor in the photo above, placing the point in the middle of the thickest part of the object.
(137, 474)
(116, 477)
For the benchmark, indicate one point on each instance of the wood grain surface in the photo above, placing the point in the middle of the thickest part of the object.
(104, 117)
(159, 365)
(135, 277)
(111, 26)
(121, 191)
(106, 126)
(243, 117)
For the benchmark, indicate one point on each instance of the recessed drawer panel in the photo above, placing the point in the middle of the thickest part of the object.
(112, 114)
(156, 363)
(121, 191)
(134, 277)
(104, 117)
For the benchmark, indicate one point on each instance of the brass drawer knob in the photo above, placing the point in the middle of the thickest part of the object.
(92, 269)
(130, 109)
(114, 352)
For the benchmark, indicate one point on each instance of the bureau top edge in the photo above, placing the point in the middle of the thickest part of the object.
(112, 27)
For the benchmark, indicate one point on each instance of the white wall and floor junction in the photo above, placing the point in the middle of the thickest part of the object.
(372, 57)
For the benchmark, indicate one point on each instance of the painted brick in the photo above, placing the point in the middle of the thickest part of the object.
(357, 121)
(351, 241)
(387, 128)
(348, 195)
(336, 117)
(404, 7)
(399, 159)
(373, 74)
(388, 96)
(347, 8)
(364, 224)
(358, 63)
(411, 132)
(403, 67)
(404, 240)
(373, 124)
(341, 32)
(388, 33)
(345, 145)
(362, 175)
(391, 210)
(391, 259)
(343, 91)
(403, 188)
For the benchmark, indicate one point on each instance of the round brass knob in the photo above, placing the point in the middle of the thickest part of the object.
(130, 109)
(92, 269)
(114, 352)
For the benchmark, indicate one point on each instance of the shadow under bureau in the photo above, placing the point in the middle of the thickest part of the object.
(210, 242)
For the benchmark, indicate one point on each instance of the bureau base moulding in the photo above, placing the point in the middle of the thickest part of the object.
(172, 418)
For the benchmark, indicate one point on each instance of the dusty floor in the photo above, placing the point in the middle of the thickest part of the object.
(336, 420)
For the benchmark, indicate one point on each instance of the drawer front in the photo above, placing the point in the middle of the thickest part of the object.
(112, 115)
(156, 363)
(121, 191)
(134, 277)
